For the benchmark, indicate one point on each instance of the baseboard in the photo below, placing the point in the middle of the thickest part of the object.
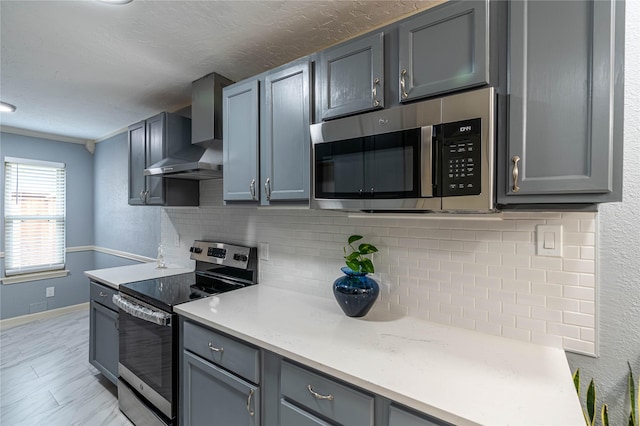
(23, 319)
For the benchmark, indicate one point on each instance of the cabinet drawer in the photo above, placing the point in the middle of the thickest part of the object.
(399, 416)
(332, 400)
(103, 295)
(224, 351)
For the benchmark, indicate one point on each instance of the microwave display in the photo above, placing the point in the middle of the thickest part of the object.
(460, 170)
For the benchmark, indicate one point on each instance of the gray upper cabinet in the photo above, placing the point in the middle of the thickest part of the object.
(266, 140)
(352, 77)
(149, 141)
(444, 49)
(241, 134)
(285, 139)
(565, 102)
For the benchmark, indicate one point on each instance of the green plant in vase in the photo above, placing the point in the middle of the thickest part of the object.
(355, 292)
(356, 260)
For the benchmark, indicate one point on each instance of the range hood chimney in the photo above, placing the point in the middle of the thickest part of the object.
(203, 159)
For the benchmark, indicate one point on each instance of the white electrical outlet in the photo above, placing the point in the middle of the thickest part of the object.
(50, 291)
(264, 251)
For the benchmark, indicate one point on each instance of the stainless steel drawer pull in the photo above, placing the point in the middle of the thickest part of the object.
(316, 395)
(252, 189)
(249, 410)
(267, 188)
(213, 348)
(515, 173)
(403, 92)
(103, 294)
(376, 83)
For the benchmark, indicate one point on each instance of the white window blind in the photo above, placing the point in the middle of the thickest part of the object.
(34, 215)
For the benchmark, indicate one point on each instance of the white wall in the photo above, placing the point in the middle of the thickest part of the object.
(619, 254)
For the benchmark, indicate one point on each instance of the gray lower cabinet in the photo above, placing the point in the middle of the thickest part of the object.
(317, 399)
(565, 103)
(266, 140)
(400, 416)
(351, 77)
(444, 49)
(103, 331)
(213, 396)
(150, 141)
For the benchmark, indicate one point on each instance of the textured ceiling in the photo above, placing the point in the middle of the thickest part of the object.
(84, 69)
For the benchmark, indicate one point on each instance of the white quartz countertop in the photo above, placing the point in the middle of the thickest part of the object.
(461, 376)
(126, 274)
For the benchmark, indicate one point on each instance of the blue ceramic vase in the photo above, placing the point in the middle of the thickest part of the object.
(355, 292)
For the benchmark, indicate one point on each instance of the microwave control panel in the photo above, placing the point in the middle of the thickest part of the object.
(461, 153)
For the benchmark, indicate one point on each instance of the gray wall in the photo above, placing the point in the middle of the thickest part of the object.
(619, 257)
(119, 226)
(24, 298)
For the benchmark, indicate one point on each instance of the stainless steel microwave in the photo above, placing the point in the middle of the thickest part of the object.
(434, 155)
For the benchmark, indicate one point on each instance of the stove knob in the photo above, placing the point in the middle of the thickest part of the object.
(196, 250)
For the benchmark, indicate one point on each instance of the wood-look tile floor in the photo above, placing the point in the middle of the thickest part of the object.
(46, 378)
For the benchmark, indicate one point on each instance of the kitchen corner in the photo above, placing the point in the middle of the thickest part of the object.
(454, 375)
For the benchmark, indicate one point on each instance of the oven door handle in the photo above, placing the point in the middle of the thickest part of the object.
(142, 312)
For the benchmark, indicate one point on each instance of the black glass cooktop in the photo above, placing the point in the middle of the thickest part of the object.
(164, 293)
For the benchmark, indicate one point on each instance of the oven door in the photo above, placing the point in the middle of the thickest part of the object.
(147, 352)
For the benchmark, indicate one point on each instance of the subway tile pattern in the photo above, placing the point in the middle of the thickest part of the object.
(472, 273)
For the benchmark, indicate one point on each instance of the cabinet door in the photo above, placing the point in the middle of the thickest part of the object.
(564, 78)
(285, 141)
(351, 76)
(156, 132)
(400, 417)
(103, 340)
(444, 49)
(212, 396)
(137, 159)
(240, 141)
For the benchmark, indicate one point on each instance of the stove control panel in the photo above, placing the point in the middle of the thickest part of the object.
(223, 254)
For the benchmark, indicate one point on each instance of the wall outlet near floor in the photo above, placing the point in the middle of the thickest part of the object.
(549, 240)
(264, 251)
(50, 291)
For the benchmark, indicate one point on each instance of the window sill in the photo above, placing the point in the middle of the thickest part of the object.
(36, 276)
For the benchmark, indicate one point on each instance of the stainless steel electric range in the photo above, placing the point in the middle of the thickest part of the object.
(148, 336)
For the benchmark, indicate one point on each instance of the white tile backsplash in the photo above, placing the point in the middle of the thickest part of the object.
(477, 274)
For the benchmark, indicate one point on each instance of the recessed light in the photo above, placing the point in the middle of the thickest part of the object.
(115, 1)
(5, 107)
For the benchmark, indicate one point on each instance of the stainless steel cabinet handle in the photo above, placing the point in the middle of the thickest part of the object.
(142, 196)
(514, 173)
(403, 90)
(252, 189)
(103, 294)
(249, 410)
(267, 188)
(316, 395)
(214, 349)
(376, 83)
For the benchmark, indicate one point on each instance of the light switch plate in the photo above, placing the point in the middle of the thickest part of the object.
(264, 251)
(549, 240)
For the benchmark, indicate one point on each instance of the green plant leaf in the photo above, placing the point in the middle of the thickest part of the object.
(633, 419)
(354, 238)
(576, 381)
(591, 402)
(367, 266)
(353, 265)
(366, 248)
(352, 257)
(630, 423)
(605, 415)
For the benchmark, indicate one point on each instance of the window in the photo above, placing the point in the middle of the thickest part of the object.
(34, 215)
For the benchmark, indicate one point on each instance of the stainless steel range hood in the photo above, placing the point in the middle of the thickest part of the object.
(195, 162)
(203, 158)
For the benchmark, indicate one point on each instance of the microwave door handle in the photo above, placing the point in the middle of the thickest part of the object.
(426, 161)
